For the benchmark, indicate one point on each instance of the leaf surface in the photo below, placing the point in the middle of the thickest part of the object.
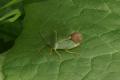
(98, 55)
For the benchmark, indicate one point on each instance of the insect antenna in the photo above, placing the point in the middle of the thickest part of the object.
(47, 43)
(55, 36)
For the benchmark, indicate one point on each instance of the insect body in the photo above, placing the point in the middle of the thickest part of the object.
(68, 43)
(65, 44)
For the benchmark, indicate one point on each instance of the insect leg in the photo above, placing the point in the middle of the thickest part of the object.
(75, 53)
(47, 43)
(39, 49)
(51, 51)
(66, 50)
(59, 55)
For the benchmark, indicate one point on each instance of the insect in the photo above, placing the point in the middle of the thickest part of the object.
(68, 43)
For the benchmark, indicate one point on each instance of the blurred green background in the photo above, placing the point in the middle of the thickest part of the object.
(11, 16)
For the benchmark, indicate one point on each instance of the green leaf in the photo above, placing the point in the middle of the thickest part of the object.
(98, 55)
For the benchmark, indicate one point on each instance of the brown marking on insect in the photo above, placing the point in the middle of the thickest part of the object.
(76, 37)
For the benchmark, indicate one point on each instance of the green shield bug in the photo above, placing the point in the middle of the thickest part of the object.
(72, 41)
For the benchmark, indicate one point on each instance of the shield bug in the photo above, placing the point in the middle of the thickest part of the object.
(70, 42)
